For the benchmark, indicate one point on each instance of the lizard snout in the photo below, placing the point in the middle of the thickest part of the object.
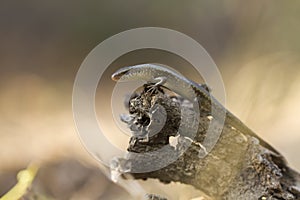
(117, 75)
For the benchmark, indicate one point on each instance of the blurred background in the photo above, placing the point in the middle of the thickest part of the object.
(255, 45)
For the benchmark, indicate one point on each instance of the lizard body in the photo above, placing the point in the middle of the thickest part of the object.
(181, 85)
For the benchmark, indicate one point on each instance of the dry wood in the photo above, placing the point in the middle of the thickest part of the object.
(238, 167)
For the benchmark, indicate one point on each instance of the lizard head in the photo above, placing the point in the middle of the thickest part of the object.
(120, 73)
(131, 73)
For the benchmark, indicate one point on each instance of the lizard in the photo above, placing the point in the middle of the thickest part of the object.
(179, 84)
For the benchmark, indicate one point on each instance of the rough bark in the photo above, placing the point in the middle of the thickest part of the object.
(238, 167)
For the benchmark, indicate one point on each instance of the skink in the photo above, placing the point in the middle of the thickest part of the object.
(177, 83)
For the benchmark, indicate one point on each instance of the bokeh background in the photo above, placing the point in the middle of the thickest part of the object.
(255, 44)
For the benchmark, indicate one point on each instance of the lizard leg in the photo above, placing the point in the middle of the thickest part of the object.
(206, 87)
(157, 82)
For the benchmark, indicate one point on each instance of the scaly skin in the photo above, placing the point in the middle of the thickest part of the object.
(186, 88)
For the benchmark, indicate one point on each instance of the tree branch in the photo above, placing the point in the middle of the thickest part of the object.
(238, 167)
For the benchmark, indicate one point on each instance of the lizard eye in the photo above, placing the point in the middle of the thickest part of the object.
(118, 75)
